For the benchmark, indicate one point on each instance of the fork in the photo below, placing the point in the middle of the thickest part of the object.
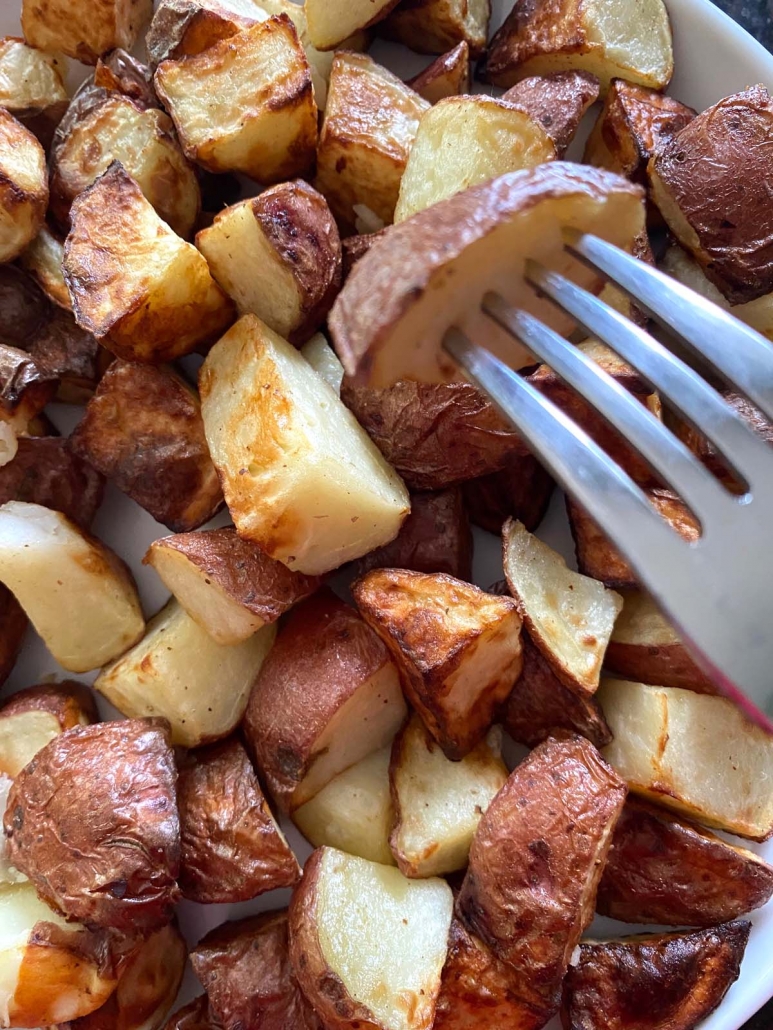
(718, 589)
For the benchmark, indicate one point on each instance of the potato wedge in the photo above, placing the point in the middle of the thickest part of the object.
(367, 945)
(47, 473)
(144, 432)
(623, 39)
(193, 1016)
(42, 259)
(32, 717)
(300, 476)
(569, 617)
(354, 811)
(438, 804)
(369, 127)
(81, 31)
(663, 869)
(447, 76)
(77, 593)
(119, 71)
(231, 846)
(170, 673)
(278, 256)
(32, 87)
(226, 584)
(184, 28)
(434, 26)
(23, 186)
(463, 141)
(557, 101)
(323, 359)
(387, 325)
(327, 697)
(683, 976)
(529, 841)
(458, 649)
(695, 754)
(521, 490)
(332, 22)
(13, 627)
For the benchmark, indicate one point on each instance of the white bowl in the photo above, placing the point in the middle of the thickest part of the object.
(713, 57)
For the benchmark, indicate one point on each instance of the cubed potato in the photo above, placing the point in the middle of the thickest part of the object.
(42, 259)
(379, 938)
(144, 432)
(46, 472)
(332, 22)
(521, 490)
(13, 626)
(354, 811)
(369, 128)
(119, 71)
(327, 697)
(696, 754)
(434, 26)
(32, 717)
(77, 593)
(301, 478)
(193, 1016)
(463, 141)
(82, 31)
(226, 584)
(32, 86)
(171, 673)
(458, 649)
(231, 848)
(536, 860)
(25, 388)
(146, 294)
(245, 104)
(102, 126)
(663, 869)
(278, 256)
(323, 359)
(447, 76)
(623, 39)
(184, 28)
(557, 101)
(683, 976)
(438, 803)
(23, 186)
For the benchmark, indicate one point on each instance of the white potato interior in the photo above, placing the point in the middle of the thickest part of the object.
(29, 79)
(330, 22)
(22, 160)
(642, 622)
(8, 873)
(22, 736)
(43, 260)
(324, 360)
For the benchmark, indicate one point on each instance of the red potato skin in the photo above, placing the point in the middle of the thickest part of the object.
(557, 101)
(24, 308)
(45, 471)
(193, 1016)
(13, 627)
(71, 703)
(521, 490)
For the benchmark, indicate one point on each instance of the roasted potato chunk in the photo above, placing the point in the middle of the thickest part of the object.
(81, 31)
(458, 649)
(340, 499)
(47, 473)
(183, 28)
(144, 432)
(170, 673)
(23, 186)
(13, 626)
(434, 26)
(32, 86)
(447, 76)
(327, 696)
(119, 71)
(25, 389)
(557, 101)
(129, 829)
(193, 1016)
(332, 22)
(386, 968)
(322, 358)
(23, 311)
(69, 355)
(42, 259)
(655, 980)
(521, 490)
(32, 717)
(278, 256)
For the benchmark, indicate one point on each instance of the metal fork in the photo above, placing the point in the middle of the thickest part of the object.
(717, 590)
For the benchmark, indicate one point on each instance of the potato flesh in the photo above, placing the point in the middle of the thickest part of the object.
(23, 187)
(30, 80)
(43, 261)
(8, 872)
(22, 736)
(323, 359)
(330, 22)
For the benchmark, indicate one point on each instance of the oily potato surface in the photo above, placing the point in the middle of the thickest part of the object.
(45, 471)
(23, 186)
(84, 31)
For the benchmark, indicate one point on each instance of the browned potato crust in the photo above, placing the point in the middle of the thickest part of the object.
(83, 30)
(42, 259)
(106, 791)
(25, 388)
(70, 354)
(447, 76)
(664, 869)
(653, 981)
(231, 847)
(705, 449)
(143, 431)
(121, 72)
(548, 830)
(46, 472)
(71, 703)
(32, 87)
(23, 186)
(183, 28)
(355, 247)
(433, 26)
(193, 1016)
(522, 489)
(13, 626)
(23, 311)
(557, 101)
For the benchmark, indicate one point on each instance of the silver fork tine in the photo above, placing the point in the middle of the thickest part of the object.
(740, 353)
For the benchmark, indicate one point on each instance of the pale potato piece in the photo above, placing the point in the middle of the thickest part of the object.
(32, 86)
(628, 39)
(8, 872)
(331, 22)
(447, 76)
(82, 30)
(245, 104)
(42, 259)
(146, 294)
(77, 593)
(177, 671)
(32, 717)
(300, 476)
(354, 811)
(183, 28)
(324, 360)
(378, 939)
(438, 803)
(463, 141)
(570, 617)
(433, 26)
(694, 753)
(23, 186)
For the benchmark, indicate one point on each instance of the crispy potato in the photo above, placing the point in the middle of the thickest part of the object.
(129, 827)
(322, 358)
(327, 696)
(47, 473)
(42, 259)
(81, 31)
(246, 104)
(340, 498)
(23, 186)
(458, 649)
(695, 754)
(332, 22)
(32, 717)
(13, 626)
(622, 39)
(32, 87)
(354, 811)
(184, 28)
(231, 846)
(367, 945)
(143, 431)
(521, 490)
(663, 869)
(438, 804)
(25, 388)
(447, 76)
(369, 128)
(278, 256)
(388, 321)
(547, 832)
(77, 593)
(142, 291)
(434, 26)
(226, 584)
(557, 101)
(355, 247)
(119, 71)
(171, 673)
(193, 1016)
(569, 616)
(654, 980)
(70, 355)
(463, 141)
(23, 311)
